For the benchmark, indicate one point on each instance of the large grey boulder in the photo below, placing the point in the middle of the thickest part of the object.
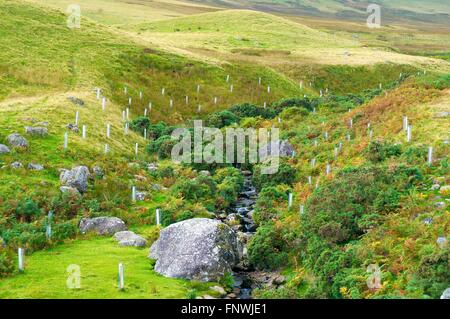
(199, 248)
(285, 149)
(446, 294)
(77, 177)
(36, 131)
(4, 149)
(17, 140)
(129, 238)
(102, 225)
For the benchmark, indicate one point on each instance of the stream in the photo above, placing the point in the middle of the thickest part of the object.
(241, 217)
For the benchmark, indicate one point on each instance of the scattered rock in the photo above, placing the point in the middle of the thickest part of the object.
(17, 140)
(76, 177)
(16, 165)
(74, 128)
(36, 131)
(69, 190)
(442, 242)
(233, 219)
(102, 225)
(204, 173)
(141, 196)
(140, 178)
(285, 149)
(152, 167)
(157, 187)
(98, 171)
(208, 297)
(439, 205)
(199, 248)
(435, 187)
(129, 238)
(441, 114)
(446, 294)
(232, 295)
(4, 149)
(219, 289)
(76, 100)
(35, 167)
(428, 221)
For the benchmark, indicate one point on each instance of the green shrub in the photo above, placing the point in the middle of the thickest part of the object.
(7, 261)
(286, 175)
(380, 151)
(251, 110)
(266, 249)
(221, 119)
(139, 124)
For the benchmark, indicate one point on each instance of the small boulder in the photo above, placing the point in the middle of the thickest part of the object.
(285, 149)
(219, 290)
(69, 190)
(442, 242)
(446, 294)
(74, 128)
(152, 167)
(17, 140)
(204, 173)
(16, 165)
(76, 177)
(36, 131)
(102, 225)
(35, 167)
(4, 149)
(141, 196)
(76, 101)
(129, 238)
(435, 187)
(198, 248)
(98, 171)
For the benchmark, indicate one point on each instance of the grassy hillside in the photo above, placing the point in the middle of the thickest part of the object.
(369, 208)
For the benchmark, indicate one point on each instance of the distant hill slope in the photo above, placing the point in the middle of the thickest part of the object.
(436, 11)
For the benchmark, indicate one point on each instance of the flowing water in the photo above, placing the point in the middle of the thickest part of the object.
(243, 209)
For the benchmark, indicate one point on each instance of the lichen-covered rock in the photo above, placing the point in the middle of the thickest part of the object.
(446, 294)
(35, 167)
(36, 131)
(69, 190)
(17, 140)
(98, 171)
(199, 248)
(74, 128)
(77, 177)
(285, 149)
(16, 165)
(129, 238)
(4, 149)
(102, 225)
(76, 101)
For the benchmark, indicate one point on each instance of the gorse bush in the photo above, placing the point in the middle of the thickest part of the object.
(286, 174)
(7, 261)
(380, 151)
(267, 249)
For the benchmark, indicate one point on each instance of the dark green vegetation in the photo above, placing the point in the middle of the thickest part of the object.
(375, 207)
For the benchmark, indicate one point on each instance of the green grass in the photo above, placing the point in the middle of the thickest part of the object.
(46, 274)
